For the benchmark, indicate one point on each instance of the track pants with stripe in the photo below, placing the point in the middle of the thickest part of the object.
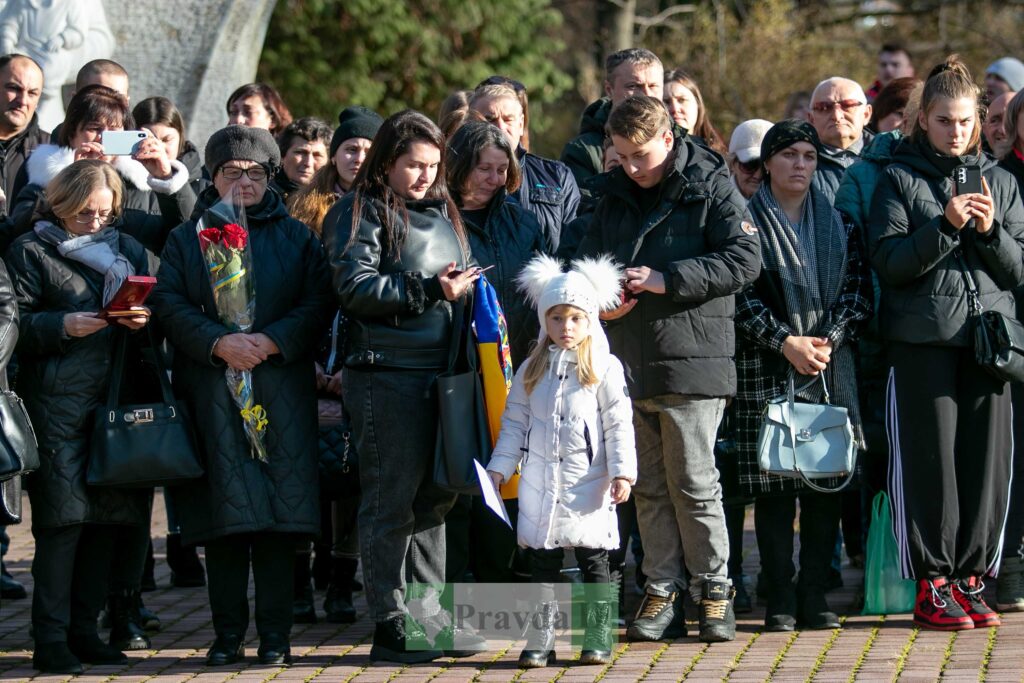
(950, 454)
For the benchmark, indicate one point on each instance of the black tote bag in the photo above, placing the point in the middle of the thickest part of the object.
(19, 453)
(462, 435)
(141, 445)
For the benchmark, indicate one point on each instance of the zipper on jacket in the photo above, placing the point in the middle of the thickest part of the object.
(526, 447)
(590, 445)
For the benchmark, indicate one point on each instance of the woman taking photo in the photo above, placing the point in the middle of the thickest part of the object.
(242, 507)
(154, 202)
(162, 118)
(397, 275)
(64, 272)
(797, 321)
(948, 419)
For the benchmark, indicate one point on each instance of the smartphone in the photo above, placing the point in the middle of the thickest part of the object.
(967, 180)
(456, 273)
(129, 297)
(122, 142)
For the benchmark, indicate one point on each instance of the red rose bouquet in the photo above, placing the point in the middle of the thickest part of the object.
(224, 241)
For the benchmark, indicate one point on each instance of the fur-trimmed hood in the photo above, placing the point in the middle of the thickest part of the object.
(48, 160)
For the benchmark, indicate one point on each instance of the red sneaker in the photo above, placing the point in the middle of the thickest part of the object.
(937, 609)
(967, 594)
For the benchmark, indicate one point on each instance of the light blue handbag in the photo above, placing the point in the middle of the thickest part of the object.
(807, 440)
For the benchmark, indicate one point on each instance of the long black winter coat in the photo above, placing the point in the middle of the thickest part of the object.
(239, 494)
(509, 238)
(913, 247)
(680, 342)
(63, 380)
(149, 212)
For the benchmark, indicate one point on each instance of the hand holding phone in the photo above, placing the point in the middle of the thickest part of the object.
(122, 143)
(477, 270)
(971, 204)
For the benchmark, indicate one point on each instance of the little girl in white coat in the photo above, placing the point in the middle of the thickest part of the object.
(568, 422)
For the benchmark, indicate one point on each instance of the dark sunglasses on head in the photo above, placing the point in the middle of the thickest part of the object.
(845, 105)
(750, 167)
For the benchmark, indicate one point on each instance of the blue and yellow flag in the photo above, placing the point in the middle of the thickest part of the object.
(495, 362)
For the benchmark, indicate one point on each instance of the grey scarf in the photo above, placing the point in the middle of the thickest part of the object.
(98, 251)
(810, 261)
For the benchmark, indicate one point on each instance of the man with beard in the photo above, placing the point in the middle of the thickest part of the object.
(993, 130)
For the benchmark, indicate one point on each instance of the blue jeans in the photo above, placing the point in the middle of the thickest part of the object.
(401, 516)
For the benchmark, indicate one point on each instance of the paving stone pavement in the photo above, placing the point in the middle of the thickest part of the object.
(867, 648)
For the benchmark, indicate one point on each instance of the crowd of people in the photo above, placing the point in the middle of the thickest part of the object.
(661, 283)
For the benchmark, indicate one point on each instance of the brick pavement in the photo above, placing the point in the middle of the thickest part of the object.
(865, 649)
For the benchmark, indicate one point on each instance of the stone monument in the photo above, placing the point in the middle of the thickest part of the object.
(194, 52)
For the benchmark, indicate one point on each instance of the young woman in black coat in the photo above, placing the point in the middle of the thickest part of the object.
(949, 420)
(395, 250)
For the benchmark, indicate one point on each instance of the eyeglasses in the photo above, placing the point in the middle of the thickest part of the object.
(845, 105)
(256, 173)
(85, 218)
(749, 167)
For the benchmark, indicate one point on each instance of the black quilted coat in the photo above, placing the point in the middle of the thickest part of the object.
(63, 380)
(239, 494)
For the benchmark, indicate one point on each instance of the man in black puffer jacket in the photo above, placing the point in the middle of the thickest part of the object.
(673, 217)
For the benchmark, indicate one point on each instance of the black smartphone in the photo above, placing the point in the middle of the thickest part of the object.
(967, 180)
(456, 273)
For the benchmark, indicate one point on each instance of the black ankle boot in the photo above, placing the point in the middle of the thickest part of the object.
(780, 612)
(303, 611)
(144, 616)
(126, 633)
(338, 602)
(55, 658)
(186, 569)
(540, 639)
(227, 648)
(91, 650)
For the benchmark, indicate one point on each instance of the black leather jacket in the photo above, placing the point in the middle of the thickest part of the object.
(397, 314)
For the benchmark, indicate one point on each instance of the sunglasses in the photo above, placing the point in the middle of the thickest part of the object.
(828, 107)
(749, 167)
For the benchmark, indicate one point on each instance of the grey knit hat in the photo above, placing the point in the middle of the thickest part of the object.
(1010, 69)
(241, 143)
(355, 122)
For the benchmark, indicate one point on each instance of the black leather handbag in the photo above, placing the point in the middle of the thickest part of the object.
(998, 340)
(19, 452)
(462, 435)
(141, 445)
(10, 501)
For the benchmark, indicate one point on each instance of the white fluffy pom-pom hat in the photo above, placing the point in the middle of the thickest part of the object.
(591, 284)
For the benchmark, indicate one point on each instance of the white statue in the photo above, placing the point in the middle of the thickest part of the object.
(61, 35)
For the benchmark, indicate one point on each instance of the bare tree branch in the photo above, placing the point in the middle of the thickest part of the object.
(662, 17)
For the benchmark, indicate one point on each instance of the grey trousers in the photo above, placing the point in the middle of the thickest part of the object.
(401, 515)
(678, 497)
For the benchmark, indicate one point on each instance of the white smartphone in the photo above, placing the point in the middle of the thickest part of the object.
(122, 142)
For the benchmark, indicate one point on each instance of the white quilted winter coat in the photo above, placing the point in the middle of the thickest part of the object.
(572, 442)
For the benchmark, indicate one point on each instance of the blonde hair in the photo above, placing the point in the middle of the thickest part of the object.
(69, 192)
(537, 362)
(639, 119)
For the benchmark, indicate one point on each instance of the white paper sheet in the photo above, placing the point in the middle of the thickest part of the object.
(491, 496)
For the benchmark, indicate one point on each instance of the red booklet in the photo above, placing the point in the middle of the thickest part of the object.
(129, 297)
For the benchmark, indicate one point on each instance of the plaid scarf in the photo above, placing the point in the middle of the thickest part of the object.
(810, 261)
